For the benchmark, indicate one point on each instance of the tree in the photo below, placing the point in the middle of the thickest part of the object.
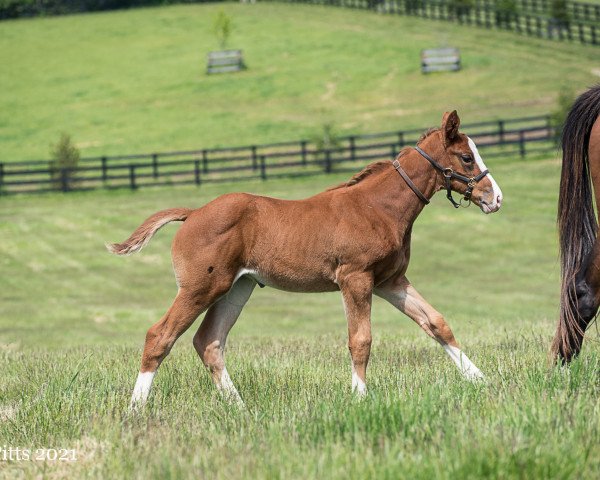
(559, 12)
(564, 102)
(63, 166)
(222, 27)
(326, 142)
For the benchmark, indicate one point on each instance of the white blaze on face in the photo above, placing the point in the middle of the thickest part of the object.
(497, 193)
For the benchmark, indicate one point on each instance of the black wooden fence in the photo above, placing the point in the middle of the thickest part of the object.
(577, 11)
(580, 21)
(514, 137)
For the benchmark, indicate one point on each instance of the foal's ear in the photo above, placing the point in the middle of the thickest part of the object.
(450, 124)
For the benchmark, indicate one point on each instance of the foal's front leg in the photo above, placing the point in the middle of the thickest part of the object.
(400, 293)
(357, 291)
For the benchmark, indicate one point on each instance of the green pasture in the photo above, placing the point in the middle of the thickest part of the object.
(134, 81)
(73, 319)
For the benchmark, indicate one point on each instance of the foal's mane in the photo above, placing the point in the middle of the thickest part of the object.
(364, 173)
(378, 166)
(427, 133)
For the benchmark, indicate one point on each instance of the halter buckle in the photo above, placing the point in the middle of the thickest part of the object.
(448, 172)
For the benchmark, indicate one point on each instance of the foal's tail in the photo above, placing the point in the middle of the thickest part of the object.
(577, 224)
(142, 235)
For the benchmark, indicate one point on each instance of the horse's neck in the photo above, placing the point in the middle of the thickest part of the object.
(389, 192)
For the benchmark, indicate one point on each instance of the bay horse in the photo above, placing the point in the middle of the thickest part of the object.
(353, 238)
(578, 225)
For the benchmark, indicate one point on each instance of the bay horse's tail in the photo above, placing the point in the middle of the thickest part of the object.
(577, 223)
(142, 235)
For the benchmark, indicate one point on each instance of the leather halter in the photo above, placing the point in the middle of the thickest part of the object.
(448, 173)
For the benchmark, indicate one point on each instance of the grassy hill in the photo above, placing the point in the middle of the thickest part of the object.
(133, 81)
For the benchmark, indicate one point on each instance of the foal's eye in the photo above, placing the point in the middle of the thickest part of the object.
(466, 158)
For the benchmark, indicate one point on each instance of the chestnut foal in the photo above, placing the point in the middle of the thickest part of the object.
(354, 238)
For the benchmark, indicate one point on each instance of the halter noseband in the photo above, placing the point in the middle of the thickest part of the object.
(448, 173)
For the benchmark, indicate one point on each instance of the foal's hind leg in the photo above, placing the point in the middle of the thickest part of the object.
(160, 338)
(400, 293)
(211, 336)
(357, 289)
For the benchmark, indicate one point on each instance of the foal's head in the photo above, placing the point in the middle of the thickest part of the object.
(457, 154)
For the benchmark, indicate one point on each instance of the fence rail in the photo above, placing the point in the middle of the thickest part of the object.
(518, 136)
(580, 22)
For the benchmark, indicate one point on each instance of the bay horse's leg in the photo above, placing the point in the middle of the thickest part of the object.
(357, 289)
(400, 293)
(188, 304)
(211, 336)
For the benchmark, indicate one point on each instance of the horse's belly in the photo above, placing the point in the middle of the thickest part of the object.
(294, 282)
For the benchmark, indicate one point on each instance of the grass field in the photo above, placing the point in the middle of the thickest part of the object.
(133, 81)
(73, 319)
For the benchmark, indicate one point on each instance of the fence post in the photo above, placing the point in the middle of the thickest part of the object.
(205, 161)
(263, 168)
(303, 151)
(400, 139)
(522, 143)
(593, 30)
(352, 148)
(327, 161)
(254, 158)
(132, 184)
(197, 171)
(155, 165)
(64, 179)
(1, 176)
(501, 131)
(103, 160)
(549, 128)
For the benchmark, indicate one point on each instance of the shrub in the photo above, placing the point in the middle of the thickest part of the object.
(505, 10)
(564, 102)
(326, 141)
(559, 12)
(63, 166)
(460, 8)
(222, 27)
(32, 8)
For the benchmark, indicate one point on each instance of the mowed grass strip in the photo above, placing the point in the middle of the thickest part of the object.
(73, 318)
(134, 81)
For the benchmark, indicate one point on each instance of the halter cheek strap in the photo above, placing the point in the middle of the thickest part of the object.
(409, 182)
